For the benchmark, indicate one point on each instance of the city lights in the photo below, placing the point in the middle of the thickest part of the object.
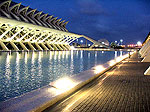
(63, 84)
(98, 69)
(139, 43)
(72, 48)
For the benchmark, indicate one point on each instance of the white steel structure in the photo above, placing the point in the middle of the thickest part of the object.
(23, 28)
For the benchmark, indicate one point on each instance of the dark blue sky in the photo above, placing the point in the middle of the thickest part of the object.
(111, 19)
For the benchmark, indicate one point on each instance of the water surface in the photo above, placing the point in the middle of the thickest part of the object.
(22, 72)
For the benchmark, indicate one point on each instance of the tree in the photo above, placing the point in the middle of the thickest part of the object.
(113, 45)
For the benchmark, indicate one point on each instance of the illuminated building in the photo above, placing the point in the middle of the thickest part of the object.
(24, 28)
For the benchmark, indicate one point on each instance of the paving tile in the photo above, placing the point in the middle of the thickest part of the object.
(125, 89)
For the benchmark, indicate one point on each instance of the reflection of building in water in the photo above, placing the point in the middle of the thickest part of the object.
(25, 57)
(89, 55)
(120, 53)
(71, 62)
(81, 61)
(8, 69)
(17, 66)
(115, 54)
(104, 41)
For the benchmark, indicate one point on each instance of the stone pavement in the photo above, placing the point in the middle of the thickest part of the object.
(124, 88)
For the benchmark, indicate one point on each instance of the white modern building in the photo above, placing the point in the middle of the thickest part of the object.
(24, 28)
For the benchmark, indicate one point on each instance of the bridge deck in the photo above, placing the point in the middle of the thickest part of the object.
(123, 88)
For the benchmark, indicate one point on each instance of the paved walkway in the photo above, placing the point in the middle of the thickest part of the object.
(123, 88)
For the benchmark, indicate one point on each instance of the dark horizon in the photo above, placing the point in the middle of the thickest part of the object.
(113, 20)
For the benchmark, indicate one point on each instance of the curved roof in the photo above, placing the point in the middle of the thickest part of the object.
(23, 10)
(23, 13)
(6, 4)
(37, 14)
(43, 16)
(31, 12)
(15, 7)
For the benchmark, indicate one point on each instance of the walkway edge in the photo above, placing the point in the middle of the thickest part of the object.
(77, 87)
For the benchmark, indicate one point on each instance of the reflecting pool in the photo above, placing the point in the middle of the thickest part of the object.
(22, 72)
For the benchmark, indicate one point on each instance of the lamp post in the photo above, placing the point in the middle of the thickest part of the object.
(121, 41)
(81, 42)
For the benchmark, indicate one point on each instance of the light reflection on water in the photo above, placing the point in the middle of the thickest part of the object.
(26, 71)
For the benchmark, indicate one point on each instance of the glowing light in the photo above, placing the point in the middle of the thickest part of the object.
(98, 69)
(121, 40)
(89, 44)
(88, 55)
(17, 58)
(139, 43)
(121, 53)
(115, 54)
(111, 62)
(63, 84)
(81, 41)
(9, 39)
(8, 58)
(33, 57)
(72, 48)
(118, 59)
(25, 58)
(34, 40)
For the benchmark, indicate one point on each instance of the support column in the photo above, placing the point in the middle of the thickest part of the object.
(23, 46)
(15, 34)
(63, 47)
(45, 48)
(49, 34)
(55, 48)
(5, 33)
(39, 37)
(67, 46)
(4, 46)
(37, 45)
(59, 47)
(24, 36)
(49, 46)
(73, 38)
(31, 46)
(14, 46)
(92, 46)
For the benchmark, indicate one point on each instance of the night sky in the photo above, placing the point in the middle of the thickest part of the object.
(111, 19)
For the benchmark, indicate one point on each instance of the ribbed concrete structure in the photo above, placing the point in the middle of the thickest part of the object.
(24, 28)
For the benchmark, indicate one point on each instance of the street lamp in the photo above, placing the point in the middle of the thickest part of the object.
(121, 41)
(139, 43)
